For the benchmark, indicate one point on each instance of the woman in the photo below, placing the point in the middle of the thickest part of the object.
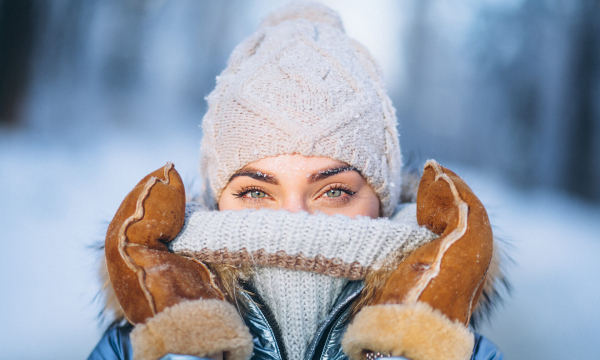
(299, 121)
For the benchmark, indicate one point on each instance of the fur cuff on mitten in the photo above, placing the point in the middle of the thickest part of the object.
(198, 327)
(416, 331)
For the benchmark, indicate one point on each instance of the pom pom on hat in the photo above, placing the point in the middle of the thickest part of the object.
(311, 11)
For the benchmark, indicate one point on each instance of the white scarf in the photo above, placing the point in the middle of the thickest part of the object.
(301, 262)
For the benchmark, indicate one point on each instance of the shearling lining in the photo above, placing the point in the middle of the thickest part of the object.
(416, 331)
(198, 327)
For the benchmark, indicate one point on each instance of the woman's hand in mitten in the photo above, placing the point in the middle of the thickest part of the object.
(146, 277)
(174, 300)
(423, 309)
(447, 273)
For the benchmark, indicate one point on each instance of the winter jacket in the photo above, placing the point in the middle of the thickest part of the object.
(326, 344)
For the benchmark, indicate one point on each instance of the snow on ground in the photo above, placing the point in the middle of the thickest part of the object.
(57, 198)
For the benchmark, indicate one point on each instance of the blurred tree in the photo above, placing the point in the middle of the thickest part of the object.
(584, 111)
(16, 39)
(512, 86)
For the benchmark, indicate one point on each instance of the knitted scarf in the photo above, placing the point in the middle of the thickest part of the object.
(301, 262)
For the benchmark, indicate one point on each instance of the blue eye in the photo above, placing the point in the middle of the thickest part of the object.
(333, 193)
(256, 194)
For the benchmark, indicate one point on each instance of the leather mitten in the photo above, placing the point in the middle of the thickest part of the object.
(423, 310)
(173, 300)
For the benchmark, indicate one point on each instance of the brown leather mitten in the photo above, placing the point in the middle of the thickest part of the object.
(174, 300)
(423, 310)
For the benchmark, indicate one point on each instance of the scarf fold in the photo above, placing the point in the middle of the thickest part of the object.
(336, 246)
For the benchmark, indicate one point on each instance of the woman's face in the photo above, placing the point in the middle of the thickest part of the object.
(300, 183)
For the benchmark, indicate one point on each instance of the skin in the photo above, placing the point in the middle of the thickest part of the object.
(299, 183)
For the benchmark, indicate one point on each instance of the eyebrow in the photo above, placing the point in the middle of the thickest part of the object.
(256, 175)
(324, 174)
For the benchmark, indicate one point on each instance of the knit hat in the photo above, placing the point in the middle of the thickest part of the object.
(300, 85)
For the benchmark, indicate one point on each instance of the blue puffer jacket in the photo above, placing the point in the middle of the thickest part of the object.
(268, 345)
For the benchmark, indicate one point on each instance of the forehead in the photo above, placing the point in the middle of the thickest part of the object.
(293, 164)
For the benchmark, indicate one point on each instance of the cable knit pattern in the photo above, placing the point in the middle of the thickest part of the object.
(300, 85)
(299, 301)
(331, 245)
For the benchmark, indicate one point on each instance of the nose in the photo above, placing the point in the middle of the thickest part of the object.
(295, 203)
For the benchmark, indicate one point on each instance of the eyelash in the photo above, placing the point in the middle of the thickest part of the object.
(343, 187)
(242, 192)
(342, 199)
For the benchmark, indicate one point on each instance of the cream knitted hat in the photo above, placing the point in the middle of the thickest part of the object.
(300, 85)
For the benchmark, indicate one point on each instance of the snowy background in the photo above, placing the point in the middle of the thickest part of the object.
(96, 94)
